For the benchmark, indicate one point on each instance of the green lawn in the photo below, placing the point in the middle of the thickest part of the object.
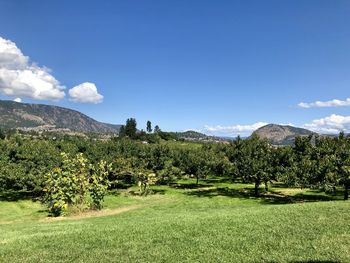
(218, 222)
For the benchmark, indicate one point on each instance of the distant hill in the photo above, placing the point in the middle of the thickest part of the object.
(48, 117)
(281, 134)
(192, 135)
(198, 136)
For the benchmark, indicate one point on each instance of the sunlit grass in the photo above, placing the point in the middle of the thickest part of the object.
(215, 222)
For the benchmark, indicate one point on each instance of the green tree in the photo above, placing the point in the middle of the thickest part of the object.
(99, 183)
(157, 129)
(2, 134)
(149, 127)
(122, 131)
(74, 183)
(130, 128)
(343, 163)
(67, 185)
(254, 162)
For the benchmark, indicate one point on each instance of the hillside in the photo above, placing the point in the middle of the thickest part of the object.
(192, 135)
(48, 117)
(281, 134)
(197, 136)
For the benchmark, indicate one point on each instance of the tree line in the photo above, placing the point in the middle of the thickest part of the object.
(312, 162)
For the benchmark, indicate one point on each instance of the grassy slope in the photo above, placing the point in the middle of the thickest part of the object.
(213, 224)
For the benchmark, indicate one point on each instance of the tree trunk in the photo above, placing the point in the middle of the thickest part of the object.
(197, 180)
(256, 188)
(346, 189)
(266, 186)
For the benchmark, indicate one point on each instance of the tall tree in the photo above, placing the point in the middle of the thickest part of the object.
(130, 128)
(149, 127)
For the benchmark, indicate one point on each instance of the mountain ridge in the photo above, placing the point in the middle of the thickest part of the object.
(17, 115)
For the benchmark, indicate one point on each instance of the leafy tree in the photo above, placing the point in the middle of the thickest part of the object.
(99, 183)
(157, 129)
(130, 128)
(343, 163)
(144, 181)
(195, 163)
(122, 131)
(254, 162)
(69, 184)
(149, 127)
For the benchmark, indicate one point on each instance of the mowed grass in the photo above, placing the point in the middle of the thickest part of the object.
(217, 222)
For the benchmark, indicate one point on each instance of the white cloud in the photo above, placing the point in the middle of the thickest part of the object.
(17, 100)
(233, 130)
(85, 93)
(331, 124)
(20, 77)
(321, 104)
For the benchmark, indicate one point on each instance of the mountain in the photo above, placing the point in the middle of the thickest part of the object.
(281, 134)
(47, 117)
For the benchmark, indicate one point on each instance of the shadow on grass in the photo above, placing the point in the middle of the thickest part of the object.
(270, 197)
(189, 186)
(217, 180)
(16, 196)
(158, 191)
(151, 192)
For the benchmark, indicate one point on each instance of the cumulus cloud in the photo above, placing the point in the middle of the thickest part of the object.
(17, 100)
(20, 77)
(233, 130)
(85, 93)
(330, 125)
(321, 104)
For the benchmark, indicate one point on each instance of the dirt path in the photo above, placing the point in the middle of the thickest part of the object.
(90, 214)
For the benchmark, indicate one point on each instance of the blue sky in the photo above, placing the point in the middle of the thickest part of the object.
(222, 67)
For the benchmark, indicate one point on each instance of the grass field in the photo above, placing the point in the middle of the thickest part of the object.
(217, 222)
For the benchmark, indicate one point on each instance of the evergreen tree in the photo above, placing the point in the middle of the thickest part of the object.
(157, 129)
(130, 128)
(149, 127)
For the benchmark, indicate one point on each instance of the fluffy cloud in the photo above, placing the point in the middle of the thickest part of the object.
(85, 93)
(17, 100)
(233, 130)
(19, 77)
(330, 103)
(331, 124)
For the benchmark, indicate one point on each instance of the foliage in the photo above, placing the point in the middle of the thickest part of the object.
(312, 162)
(156, 129)
(69, 184)
(130, 128)
(99, 183)
(149, 127)
(144, 182)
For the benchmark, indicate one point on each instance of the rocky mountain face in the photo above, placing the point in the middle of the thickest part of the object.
(281, 134)
(48, 117)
